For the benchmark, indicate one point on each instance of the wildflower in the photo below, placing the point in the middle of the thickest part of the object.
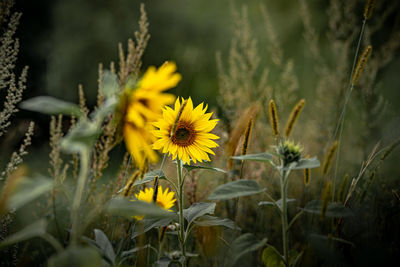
(165, 199)
(289, 152)
(142, 105)
(191, 139)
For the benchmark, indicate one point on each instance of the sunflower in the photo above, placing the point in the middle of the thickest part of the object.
(142, 105)
(192, 139)
(165, 199)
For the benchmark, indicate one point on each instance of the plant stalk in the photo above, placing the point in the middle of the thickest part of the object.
(181, 218)
(83, 174)
(285, 240)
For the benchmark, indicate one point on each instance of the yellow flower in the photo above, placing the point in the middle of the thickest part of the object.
(142, 105)
(191, 139)
(165, 199)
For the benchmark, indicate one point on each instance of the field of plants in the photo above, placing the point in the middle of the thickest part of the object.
(229, 134)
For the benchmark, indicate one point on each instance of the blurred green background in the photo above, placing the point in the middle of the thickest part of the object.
(63, 41)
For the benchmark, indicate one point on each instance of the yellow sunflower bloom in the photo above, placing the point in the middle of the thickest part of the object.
(142, 105)
(192, 139)
(165, 199)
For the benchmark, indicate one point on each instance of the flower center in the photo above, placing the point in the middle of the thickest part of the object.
(184, 134)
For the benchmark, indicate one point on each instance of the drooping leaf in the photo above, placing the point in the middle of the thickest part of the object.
(207, 220)
(35, 229)
(244, 244)
(334, 209)
(105, 245)
(234, 189)
(131, 252)
(28, 189)
(306, 164)
(109, 84)
(51, 105)
(197, 167)
(150, 176)
(278, 202)
(77, 257)
(81, 137)
(262, 157)
(270, 258)
(128, 209)
(197, 210)
(148, 224)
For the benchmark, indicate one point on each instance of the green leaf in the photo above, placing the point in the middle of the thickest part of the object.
(149, 224)
(35, 229)
(131, 252)
(270, 258)
(51, 105)
(28, 189)
(278, 202)
(262, 157)
(334, 209)
(196, 167)
(235, 189)
(197, 210)
(150, 176)
(305, 164)
(109, 84)
(107, 108)
(244, 244)
(104, 245)
(77, 257)
(128, 209)
(81, 137)
(207, 220)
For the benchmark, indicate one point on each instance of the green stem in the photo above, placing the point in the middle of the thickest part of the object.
(285, 241)
(182, 238)
(83, 174)
(340, 124)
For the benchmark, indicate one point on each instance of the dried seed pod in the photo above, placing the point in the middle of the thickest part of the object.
(362, 61)
(326, 166)
(294, 115)
(247, 134)
(273, 117)
(369, 7)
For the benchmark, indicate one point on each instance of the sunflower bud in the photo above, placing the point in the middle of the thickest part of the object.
(289, 152)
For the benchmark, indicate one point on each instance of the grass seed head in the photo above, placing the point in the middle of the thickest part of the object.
(273, 117)
(362, 61)
(294, 115)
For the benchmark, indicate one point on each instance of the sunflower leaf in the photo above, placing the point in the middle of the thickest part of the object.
(105, 245)
(197, 210)
(197, 167)
(149, 224)
(244, 244)
(235, 189)
(335, 209)
(29, 189)
(128, 209)
(262, 157)
(109, 84)
(208, 220)
(35, 229)
(52, 106)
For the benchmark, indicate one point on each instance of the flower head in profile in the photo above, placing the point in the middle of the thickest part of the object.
(142, 105)
(165, 199)
(289, 151)
(191, 139)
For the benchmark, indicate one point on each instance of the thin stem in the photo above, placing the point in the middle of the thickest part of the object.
(340, 124)
(83, 174)
(182, 238)
(285, 241)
